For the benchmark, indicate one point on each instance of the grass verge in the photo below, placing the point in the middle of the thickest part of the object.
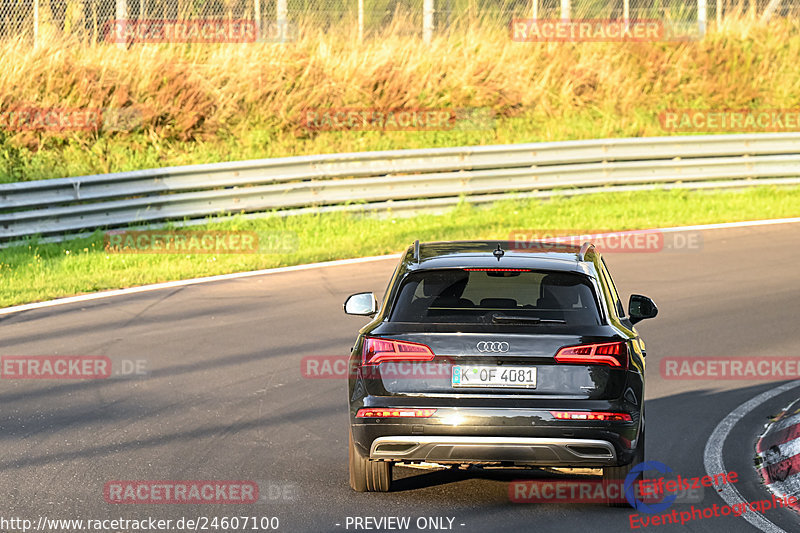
(38, 271)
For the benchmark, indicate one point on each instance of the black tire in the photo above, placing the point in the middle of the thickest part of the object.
(366, 475)
(615, 475)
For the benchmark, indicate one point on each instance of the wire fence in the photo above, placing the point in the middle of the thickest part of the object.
(97, 20)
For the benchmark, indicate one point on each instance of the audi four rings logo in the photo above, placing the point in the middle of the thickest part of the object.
(485, 346)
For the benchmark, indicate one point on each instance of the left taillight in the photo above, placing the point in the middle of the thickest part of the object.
(608, 353)
(377, 351)
(395, 413)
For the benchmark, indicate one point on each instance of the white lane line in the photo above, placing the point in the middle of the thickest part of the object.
(184, 282)
(743, 224)
(712, 455)
(237, 275)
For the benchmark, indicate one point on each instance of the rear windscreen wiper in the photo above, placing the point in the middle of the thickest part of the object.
(525, 320)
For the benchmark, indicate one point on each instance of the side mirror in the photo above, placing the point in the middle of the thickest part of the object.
(363, 303)
(641, 307)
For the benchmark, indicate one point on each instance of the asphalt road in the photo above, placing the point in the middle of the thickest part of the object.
(223, 397)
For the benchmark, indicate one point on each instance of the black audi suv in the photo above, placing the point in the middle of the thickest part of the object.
(489, 353)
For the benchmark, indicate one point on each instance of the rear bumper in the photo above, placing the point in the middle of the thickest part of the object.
(523, 436)
(519, 450)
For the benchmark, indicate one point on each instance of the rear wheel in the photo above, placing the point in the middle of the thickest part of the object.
(615, 476)
(366, 475)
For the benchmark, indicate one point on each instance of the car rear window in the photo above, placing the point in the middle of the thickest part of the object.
(469, 297)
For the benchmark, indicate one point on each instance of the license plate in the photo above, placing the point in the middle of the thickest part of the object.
(494, 376)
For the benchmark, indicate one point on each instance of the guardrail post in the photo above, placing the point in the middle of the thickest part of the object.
(122, 15)
(702, 17)
(282, 9)
(427, 20)
(257, 18)
(626, 12)
(35, 23)
(769, 10)
(360, 20)
(565, 10)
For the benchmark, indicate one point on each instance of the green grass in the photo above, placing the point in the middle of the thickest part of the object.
(80, 155)
(38, 271)
(134, 152)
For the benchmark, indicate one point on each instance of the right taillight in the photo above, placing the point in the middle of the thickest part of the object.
(591, 415)
(608, 353)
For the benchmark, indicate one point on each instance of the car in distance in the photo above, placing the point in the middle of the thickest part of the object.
(542, 365)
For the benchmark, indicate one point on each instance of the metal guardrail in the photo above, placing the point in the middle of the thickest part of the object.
(391, 179)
